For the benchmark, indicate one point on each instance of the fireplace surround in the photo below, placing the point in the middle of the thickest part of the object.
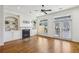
(25, 33)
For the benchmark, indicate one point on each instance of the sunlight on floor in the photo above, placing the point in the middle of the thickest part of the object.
(42, 44)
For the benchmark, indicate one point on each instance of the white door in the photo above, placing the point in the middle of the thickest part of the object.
(57, 29)
(66, 29)
(63, 29)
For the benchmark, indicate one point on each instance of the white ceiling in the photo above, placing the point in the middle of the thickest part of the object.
(35, 9)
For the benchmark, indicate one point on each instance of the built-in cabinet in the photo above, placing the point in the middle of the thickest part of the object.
(12, 28)
(12, 35)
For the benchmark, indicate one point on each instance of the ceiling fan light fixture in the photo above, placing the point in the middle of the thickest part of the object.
(42, 5)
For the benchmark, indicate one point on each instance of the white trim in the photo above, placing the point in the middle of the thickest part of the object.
(1, 44)
(75, 40)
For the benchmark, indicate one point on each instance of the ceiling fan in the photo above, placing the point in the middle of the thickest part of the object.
(45, 10)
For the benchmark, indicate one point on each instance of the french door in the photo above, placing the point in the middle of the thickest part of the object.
(63, 29)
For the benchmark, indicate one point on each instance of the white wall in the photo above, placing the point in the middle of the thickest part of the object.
(75, 30)
(74, 12)
(1, 25)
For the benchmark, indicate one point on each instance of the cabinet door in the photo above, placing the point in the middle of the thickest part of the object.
(17, 35)
(8, 36)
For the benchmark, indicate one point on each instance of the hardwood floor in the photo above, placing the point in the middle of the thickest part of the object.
(39, 44)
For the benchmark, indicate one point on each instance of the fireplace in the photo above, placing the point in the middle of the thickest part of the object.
(25, 33)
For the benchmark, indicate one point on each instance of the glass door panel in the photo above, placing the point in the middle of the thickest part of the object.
(57, 29)
(67, 29)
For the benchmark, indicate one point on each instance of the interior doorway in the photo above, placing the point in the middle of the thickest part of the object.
(43, 27)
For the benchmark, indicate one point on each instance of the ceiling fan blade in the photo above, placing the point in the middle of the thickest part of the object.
(42, 10)
(45, 12)
(48, 10)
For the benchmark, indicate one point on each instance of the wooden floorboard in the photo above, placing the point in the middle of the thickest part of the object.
(40, 44)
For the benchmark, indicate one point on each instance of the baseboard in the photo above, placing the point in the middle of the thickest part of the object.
(59, 38)
(1, 44)
(18, 39)
(12, 40)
